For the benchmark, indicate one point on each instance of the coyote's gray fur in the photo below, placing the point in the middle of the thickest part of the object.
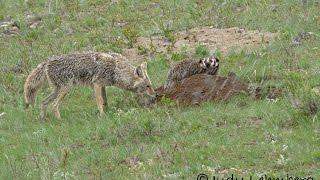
(90, 68)
(188, 68)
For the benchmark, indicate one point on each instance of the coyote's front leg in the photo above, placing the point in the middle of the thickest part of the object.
(62, 92)
(100, 94)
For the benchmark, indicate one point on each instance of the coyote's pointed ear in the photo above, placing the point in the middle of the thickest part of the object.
(139, 72)
(144, 66)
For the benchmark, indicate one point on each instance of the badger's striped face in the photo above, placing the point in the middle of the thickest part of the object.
(212, 62)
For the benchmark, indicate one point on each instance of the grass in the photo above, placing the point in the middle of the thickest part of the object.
(243, 136)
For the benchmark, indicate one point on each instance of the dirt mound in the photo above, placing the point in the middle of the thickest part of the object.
(204, 87)
(222, 39)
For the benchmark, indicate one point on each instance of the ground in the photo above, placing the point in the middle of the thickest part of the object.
(204, 87)
(244, 136)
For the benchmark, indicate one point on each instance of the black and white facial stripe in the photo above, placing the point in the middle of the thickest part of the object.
(210, 62)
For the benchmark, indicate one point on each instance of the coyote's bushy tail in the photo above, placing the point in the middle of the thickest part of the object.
(33, 83)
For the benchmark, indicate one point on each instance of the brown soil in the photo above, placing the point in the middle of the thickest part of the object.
(204, 87)
(223, 40)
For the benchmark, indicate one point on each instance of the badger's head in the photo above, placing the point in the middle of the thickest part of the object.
(210, 64)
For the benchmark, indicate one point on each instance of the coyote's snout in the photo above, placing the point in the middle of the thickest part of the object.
(93, 69)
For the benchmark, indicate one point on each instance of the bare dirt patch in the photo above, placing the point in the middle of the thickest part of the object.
(204, 87)
(214, 39)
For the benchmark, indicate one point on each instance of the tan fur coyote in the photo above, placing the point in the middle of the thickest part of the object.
(92, 69)
(188, 68)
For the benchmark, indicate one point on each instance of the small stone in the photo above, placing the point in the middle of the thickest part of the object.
(33, 21)
(316, 90)
(274, 7)
(241, 30)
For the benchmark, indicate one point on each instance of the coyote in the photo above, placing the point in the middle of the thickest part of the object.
(92, 69)
(188, 68)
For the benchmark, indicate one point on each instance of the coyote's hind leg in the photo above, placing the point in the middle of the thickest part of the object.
(61, 93)
(100, 94)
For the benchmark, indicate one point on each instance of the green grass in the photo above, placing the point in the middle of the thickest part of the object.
(167, 141)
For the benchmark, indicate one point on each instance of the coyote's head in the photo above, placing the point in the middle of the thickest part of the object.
(142, 86)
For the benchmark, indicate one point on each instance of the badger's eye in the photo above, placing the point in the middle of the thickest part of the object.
(148, 86)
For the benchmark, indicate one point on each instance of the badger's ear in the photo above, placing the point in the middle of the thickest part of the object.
(202, 63)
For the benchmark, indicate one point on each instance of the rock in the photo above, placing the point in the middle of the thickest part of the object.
(316, 90)
(33, 21)
(300, 38)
